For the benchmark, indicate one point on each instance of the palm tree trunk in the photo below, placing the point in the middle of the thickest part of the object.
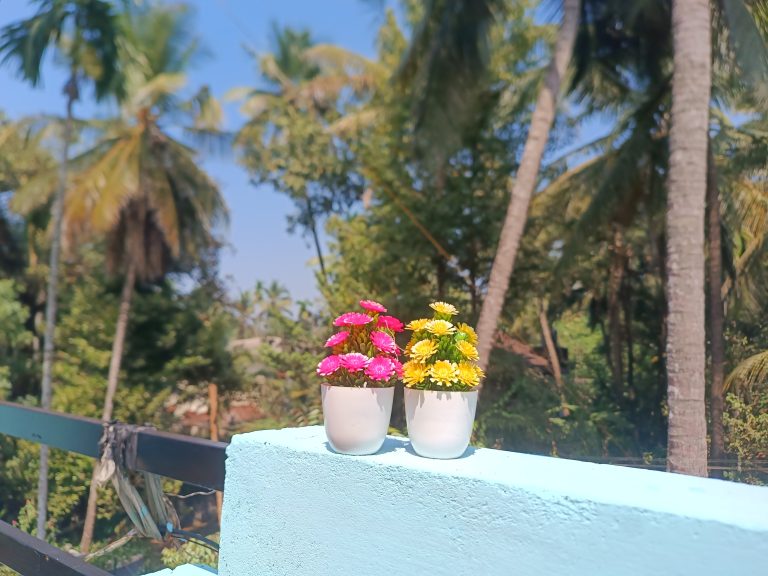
(615, 340)
(106, 414)
(686, 347)
(716, 316)
(554, 360)
(51, 304)
(213, 425)
(525, 182)
(315, 237)
(626, 299)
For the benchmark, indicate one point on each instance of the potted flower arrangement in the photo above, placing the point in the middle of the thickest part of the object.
(441, 378)
(359, 379)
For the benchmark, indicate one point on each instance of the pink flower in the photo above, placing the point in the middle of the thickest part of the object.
(352, 319)
(384, 342)
(391, 323)
(380, 368)
(329, 365)
(398, 368)
(372, 306)
(337, 338)
(354, 361)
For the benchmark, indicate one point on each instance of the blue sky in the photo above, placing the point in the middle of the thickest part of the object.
(260, 247)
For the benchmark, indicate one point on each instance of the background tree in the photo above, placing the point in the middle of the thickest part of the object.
(139, 186)
(525, 182)
(84, 33)
(460, 33)
(285, 141)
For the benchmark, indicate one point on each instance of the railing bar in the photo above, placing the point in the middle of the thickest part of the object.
(33, 557)
(64, 431)
(194, 460)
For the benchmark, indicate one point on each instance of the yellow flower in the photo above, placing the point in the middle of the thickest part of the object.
(440, 327)
(444, 308)
(443, 373)
(468, 374)
(417, 325)
(469, 331)
(423, 350)
(414, 373)
(469, 351)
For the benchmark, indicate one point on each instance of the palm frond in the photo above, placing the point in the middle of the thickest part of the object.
(746, 215)
(160, 87)
(162, 201)
(356, 121)
(92, 48)
(258, 104)
(271, 70)
(238, 93)
(26, 42)
(101, 190)
(750, 374)
(623, 177)
(206, 109)
(36, 192)
(749, 44)
(287, 64)
(333, 59)
(446, 69)
(322, 91)
(163, 35)
(620, 43)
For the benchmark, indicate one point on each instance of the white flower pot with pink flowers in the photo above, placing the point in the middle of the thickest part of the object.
(360, 374)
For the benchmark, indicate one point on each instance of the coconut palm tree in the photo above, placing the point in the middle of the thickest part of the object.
(446, 48)
(141, 188)
(445, 61)
(525, 181)
(304, 83)
(748, 71)
(737, 189)
(83, 32)
(625, 46)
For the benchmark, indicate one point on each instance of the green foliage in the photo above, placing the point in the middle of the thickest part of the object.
(746, 424)
(286, 142)
(427, 229)
(286, 382)
(14, 338)
(191, 553)
(176, 338)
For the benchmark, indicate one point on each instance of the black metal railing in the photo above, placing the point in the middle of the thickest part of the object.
(28, 556)
(193, 460)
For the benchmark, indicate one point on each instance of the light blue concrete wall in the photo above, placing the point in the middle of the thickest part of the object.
(185, 570)
(293, 508)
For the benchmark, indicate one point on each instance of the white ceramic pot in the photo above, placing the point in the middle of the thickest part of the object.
(356, 419)
(440, 423)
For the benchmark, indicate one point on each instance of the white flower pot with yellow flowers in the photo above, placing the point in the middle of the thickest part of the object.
(441, 379)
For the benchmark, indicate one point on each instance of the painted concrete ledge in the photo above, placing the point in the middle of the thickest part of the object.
(292, 507)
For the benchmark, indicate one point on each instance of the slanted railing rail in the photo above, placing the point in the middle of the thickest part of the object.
(192, 460)
(30, 556)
